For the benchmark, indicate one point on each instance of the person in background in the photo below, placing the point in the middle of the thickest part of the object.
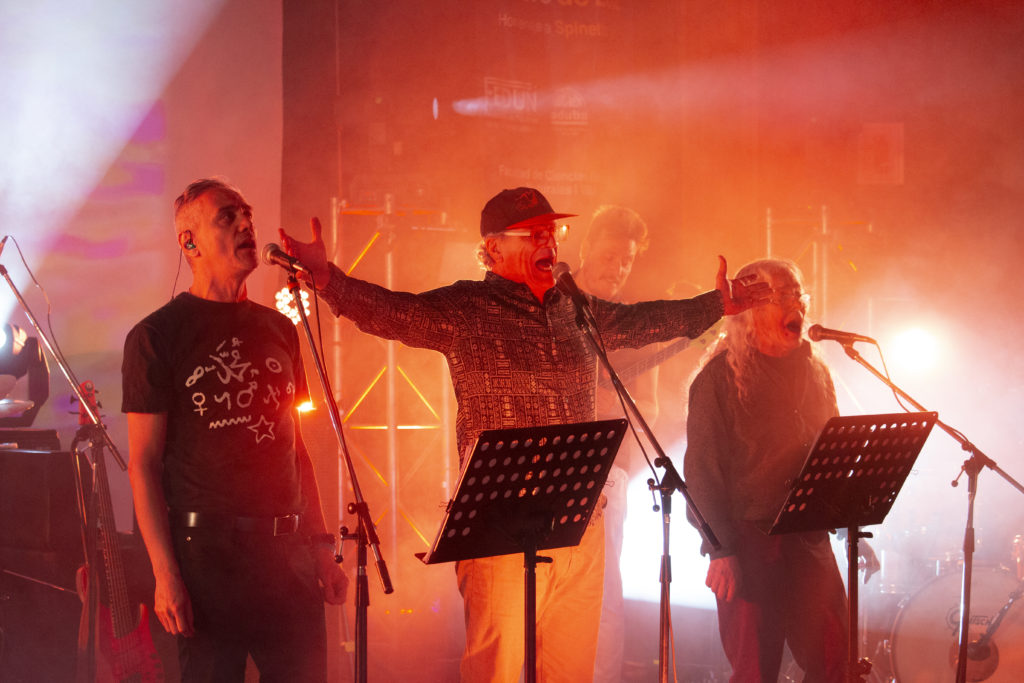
(614, 239)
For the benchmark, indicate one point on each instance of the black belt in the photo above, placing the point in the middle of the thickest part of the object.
(270, 526)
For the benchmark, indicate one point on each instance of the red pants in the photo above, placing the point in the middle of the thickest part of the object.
(791, 592)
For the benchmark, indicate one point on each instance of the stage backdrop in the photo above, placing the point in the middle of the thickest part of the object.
(877, 145)
(848, 137)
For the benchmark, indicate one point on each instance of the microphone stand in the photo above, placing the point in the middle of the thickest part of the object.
(90, 411)
(366, 533)
(671, 481)
(972, 467)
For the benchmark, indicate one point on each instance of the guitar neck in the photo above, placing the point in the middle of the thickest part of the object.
(655, 359)
(122, 614)
(648, 363)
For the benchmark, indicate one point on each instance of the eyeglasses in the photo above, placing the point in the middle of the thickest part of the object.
(540, 234)
(790, 295)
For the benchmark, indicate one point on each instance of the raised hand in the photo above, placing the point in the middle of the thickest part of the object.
(313, 254)
(740, 294)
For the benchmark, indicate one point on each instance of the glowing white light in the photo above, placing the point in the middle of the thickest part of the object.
(67, 112)
(915, 350)
(285, 303)
(305, 407)
(470, 107)
(642, 550)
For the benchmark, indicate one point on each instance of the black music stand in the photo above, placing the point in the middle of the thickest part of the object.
(524, 490)
(851, 479)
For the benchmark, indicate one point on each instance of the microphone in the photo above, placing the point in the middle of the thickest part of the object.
(565, 283)
(274, 255)
(819, 333)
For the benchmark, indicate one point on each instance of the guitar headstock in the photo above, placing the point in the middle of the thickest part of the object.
(89, 392)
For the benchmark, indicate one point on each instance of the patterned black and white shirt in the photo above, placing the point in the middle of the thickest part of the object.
(514, 361)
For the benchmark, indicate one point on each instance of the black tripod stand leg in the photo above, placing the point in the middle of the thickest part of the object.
(531, 559)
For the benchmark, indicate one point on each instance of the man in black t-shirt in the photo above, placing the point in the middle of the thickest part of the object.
(223, 486)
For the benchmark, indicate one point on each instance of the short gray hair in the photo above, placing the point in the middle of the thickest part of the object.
(184, 219)
(483, 256)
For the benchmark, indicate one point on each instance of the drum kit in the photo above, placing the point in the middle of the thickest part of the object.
(910, 628)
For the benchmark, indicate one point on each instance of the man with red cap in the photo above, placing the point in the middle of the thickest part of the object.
(518, 359)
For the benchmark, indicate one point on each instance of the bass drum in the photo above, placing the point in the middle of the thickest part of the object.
(924, 637)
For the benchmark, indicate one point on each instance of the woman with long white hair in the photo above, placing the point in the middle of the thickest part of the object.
(755, 409)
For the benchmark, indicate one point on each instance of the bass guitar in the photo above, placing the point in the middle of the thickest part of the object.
(126, 653)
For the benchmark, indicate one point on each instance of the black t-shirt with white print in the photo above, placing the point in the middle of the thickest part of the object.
(229, 376)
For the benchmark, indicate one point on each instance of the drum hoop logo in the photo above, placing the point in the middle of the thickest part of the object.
(953, 619)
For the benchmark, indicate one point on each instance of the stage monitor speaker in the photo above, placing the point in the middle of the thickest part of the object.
(38, 503)
(29, 439)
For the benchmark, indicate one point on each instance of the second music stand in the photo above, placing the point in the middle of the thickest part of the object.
(523, 490)
(851, 479)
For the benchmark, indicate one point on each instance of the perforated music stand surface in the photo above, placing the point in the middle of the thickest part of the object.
(527, 486)
(854, 472)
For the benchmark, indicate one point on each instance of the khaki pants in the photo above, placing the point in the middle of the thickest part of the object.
(568, 609)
